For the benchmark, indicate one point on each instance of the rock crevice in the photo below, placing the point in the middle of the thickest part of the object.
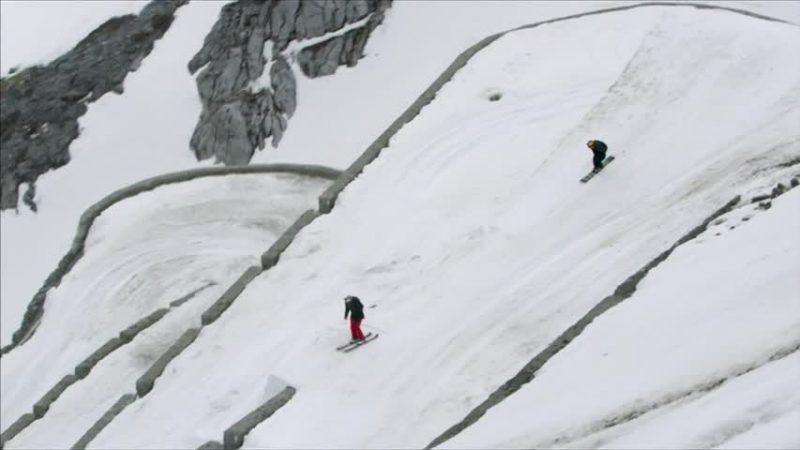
(40, 105)
(250, 42)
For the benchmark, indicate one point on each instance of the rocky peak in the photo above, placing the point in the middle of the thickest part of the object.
(240, 111)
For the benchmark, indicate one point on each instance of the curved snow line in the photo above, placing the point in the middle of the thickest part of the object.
(621, 293)
(36, 305)
(328, 198)
(83, 369)
(634, 412)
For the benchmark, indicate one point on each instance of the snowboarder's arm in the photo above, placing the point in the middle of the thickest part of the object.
(346, 310)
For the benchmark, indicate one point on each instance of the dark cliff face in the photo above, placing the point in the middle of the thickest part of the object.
(40, 106)
(236, 118)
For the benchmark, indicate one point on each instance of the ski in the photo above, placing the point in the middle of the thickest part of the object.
(352, 343)
(350, 346)
(594, 172)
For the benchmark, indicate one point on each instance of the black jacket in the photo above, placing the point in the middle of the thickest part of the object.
(355, 308)
(599, 147)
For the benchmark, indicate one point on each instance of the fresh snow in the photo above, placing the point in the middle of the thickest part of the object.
(134, 136)
(146, 131)
(687, 326)
(470, 240)
(473, 244)
(37, 32)
(140, 255)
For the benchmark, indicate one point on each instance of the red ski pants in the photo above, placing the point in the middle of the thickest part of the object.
(355, 330)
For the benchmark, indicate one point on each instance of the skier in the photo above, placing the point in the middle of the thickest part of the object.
(599, 149)
(354, 307)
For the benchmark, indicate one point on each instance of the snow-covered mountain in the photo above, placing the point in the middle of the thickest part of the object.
(516, 306)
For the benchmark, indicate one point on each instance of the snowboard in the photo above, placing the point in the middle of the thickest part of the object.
(594, 172)
(350, 346)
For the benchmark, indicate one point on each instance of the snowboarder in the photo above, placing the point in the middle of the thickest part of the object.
(354, 307)
(599, 149)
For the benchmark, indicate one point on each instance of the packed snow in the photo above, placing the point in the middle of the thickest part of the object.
(146, 131)
(686, 327)
(141, 254)
(470, 241)
(134, 136)
(37, 32)
(473, 244)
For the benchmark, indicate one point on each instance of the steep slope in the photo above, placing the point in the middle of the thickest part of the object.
(692, 350)
(131, 137)
(23, 24)
(471, 239)
(193, 238)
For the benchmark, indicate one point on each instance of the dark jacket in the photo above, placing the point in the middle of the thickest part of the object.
(355, 308)
(599, 147)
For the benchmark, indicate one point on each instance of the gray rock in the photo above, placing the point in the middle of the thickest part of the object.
(145, 383)
(234, 436)
(238, 116)
(223, 134)
(98, 426)
(759, 198)
(83, 369)
(282, 22)
(229, 296)
(284, 86)
(311, 19)
(29, 197)
(325, 57)
(795, 182)
(41, 407)
(129, 333)
(40, 105)
(16, 427)
(271, 256)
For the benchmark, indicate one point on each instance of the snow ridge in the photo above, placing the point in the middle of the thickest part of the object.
(621, 293)
(36, 306)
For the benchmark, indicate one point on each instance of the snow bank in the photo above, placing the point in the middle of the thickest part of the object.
(472, 242)
(141, 254)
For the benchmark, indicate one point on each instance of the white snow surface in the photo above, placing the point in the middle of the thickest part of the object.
(474, 246)
(37, 32)
(140, 255)
(686, 327)
(134, 136)
(146, 131)
(469, 239)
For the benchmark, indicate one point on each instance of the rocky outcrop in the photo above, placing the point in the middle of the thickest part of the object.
(40, 106)
(241, 109)
(344, 50)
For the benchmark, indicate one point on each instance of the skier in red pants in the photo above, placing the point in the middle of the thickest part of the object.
(354, 307)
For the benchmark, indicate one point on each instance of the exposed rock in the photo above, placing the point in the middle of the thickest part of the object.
(29, 197)
(759, 198)
(325, 57)
(284, 86)
(778, 190)
(40, 105)
(240, 110)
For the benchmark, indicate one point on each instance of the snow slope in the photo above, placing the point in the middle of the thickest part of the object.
(662, 351)
(470, 235)
(473, 244)
(37, 32)
(146, 131)
(143, 133)
(141, 254)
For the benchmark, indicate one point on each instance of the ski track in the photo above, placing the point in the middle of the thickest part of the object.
(383, 240)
